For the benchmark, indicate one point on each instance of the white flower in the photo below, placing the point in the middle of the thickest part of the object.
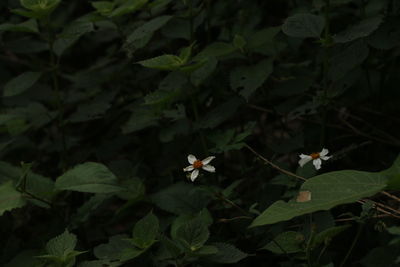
(196, 164)
(315, 157)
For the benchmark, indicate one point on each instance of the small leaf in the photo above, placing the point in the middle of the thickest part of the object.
(10, 198)
(61, 246)
(88, 177)
(26, 26)
(286, 242)
(247, 79)
(127, 7)
(363, 29)
(193, 234)
(393, 175)
(326, 235)
(303, 26)
(227, 253)
(119, 248)
(239, 42)
(70, 35)
(21, 83)
(165, 62)
(181, 198)
(328, 190)
(142, 35)
(145, 231)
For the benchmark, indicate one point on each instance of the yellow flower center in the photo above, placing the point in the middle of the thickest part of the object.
(197, 164)
(314, 155)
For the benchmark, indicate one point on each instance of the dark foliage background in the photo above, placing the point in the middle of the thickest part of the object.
(103, 101)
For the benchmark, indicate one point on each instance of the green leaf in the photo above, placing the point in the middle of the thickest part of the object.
(10, 198)
(70, 35)
(164, 62)
(21, 83)
(303, 26)
(363, 29)
(145, 231)
(119, 248)
(38, 8)
(286, 242)
(193, 234)
(393, 175)
(142, 117)
(127, 7)
(239, 42)
(219, 114)
(326, 235)
(103, 7)
(227, 253)
(142, 35)
(61, 246)
(327, 191)
(347, 59)
(88, 177)
(215, 50)
(26, 26)
(181, 198)
(247, 79)
(198, 76)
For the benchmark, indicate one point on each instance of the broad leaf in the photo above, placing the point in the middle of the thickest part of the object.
(21, 83)
(303, 26)
(393, 175)
(327, 191)
(363, 29)
(119, 248)
(286, 242)
(193, 234)
(247, 79)
(71, 34)
(88, 177)
(165, 62)
(10, 198)
(227, 253)
(26, 26)
(145, 231)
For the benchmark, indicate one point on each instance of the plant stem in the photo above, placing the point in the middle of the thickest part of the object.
(54, 64)
(196, 115)
(357, 236)
(273, 165)
(325, 72)
(191, 21)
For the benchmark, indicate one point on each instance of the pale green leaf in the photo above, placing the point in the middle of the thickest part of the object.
(327, 191)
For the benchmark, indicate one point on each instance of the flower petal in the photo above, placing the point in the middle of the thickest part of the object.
(194, 175)
(304, 159)
(326, 157)
(324, 152)
(207, 160)
(317, 163)
(208, 168)
(191, 159)
(188, 168)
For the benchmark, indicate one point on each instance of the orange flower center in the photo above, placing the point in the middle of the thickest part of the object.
(197, 164)
(314, 155)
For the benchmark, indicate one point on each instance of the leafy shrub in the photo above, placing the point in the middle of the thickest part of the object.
(104, 102)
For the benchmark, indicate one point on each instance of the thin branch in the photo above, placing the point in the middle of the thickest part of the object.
(273, 165)
(391, 196)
